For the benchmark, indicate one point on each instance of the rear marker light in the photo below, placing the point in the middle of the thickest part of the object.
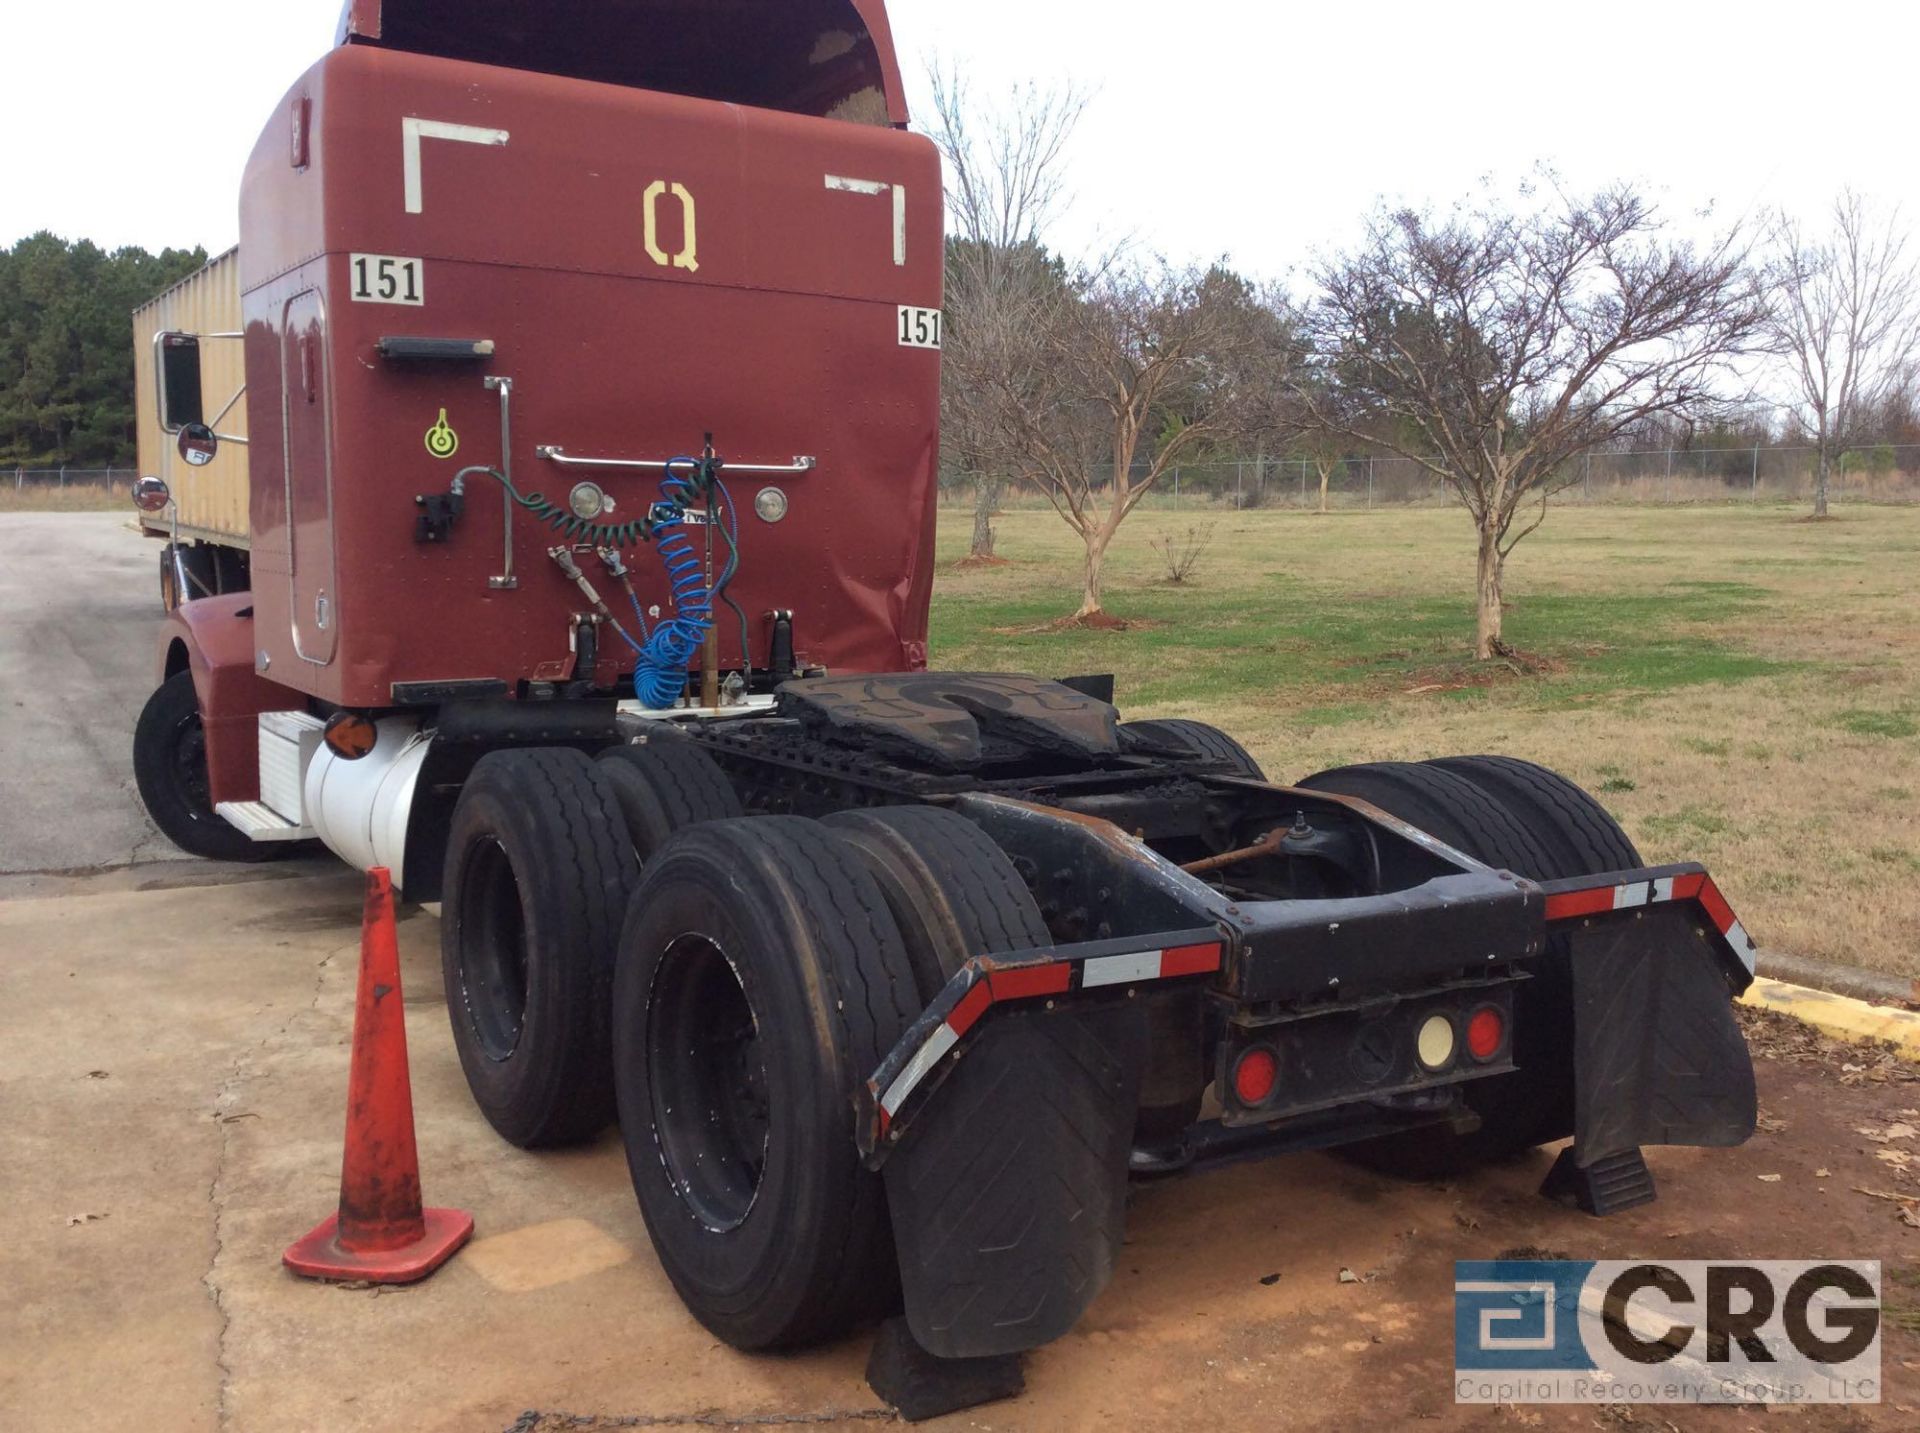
(1435, 1044)
(1255, 1074)
(1485, 1034)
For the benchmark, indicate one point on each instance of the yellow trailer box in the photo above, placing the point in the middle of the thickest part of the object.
(210, 503)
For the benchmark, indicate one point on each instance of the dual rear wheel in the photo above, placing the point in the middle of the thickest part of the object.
(1514, 816)
(767, 967)
(617, 938)
(543, 853)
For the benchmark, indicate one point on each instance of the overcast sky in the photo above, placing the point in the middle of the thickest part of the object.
(1247, 128)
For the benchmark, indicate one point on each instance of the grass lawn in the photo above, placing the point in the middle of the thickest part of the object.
(1740, 686)
(78, 498)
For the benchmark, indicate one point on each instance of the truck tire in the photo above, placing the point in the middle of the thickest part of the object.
(170, 768)
(761, 979)
(952, 891)
(1575, 831)
(1516, 1111)
(537, 877)
(663, 784)
(1190, 739)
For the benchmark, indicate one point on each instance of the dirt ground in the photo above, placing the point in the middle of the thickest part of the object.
(172, 1070)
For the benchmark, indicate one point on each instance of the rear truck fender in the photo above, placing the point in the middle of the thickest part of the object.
(1008, 1203)
(213, 639)
(1658, 959)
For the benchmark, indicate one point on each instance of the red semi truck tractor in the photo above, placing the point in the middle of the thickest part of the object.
(592, 364)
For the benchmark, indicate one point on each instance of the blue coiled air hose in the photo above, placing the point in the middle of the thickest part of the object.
(661, 679)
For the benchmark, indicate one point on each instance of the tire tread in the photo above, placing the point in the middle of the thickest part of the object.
(574, 833)
(955, 881)
(1198, 738)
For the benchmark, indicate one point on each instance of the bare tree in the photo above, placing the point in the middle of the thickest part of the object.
(1327, 420)
(1493, 347)
(1005, 185)
(1125, 372)
(1846, 318)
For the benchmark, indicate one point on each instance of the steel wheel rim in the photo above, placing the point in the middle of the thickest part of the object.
(493, 951)
(189, 767)
(707, 1074)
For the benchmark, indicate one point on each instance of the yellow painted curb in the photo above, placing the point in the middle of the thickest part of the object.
(1838, 1015)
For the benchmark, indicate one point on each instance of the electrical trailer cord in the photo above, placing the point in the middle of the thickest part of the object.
(730, 530)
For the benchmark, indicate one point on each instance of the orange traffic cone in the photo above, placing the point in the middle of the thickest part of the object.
(381, 1234)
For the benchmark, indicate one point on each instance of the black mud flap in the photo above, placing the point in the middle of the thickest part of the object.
(1009, 1199)
(1658, 1057)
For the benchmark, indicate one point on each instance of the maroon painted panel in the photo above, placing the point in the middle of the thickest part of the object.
(550, 216)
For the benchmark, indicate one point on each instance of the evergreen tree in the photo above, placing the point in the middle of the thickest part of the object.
(66, 347)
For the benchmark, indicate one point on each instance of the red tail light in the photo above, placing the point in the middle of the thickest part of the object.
(1486, 1032)
(1255, 1074)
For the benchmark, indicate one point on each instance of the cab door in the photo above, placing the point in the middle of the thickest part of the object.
(306, 411)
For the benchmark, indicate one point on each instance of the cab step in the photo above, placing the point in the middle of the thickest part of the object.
(262, 823)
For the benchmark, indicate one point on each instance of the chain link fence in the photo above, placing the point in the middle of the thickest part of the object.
(1882, 473)
(23, 480)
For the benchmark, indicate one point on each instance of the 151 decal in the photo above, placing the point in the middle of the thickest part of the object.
(919, 327)
(388, 279)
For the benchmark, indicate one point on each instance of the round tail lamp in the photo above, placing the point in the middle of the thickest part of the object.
(1255, 1074)
(1486, 1033)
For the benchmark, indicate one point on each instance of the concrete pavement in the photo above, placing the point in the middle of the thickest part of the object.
(79, 599)
(172, 1081)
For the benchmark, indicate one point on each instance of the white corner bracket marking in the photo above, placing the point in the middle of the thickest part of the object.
(413, 131)
(875, 188)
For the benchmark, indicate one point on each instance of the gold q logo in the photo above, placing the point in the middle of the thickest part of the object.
(442, 441)
(689, 256)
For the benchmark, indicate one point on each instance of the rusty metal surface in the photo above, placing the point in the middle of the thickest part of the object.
(1270, 844)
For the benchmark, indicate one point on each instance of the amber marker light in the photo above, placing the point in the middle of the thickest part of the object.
(349, 735)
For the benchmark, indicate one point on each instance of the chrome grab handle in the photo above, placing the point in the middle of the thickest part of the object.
(506, 581)
(555, 454)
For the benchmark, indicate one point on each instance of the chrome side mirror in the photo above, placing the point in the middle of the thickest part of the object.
(151, 494)
(198, 443)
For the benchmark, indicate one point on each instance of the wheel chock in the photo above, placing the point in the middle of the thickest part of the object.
(381, 1234)
(1607, 1186)
(921, 1386)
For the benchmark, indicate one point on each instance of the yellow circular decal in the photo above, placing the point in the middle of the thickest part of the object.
(442, 441)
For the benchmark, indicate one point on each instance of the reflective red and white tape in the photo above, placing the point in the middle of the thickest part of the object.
(1696, 886)
(997, 985)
